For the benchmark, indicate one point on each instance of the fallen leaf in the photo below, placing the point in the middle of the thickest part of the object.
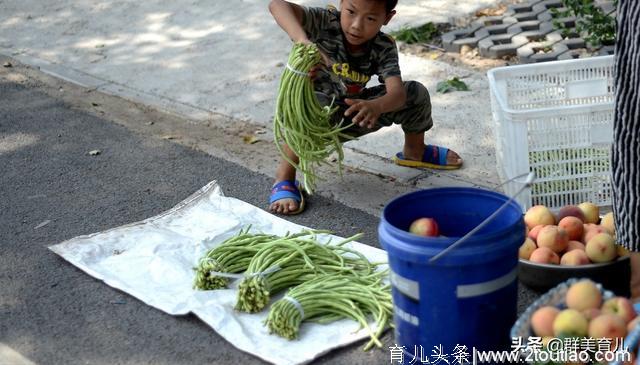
(94, 152)
(434, 56)
(7, 64)
(251, 139)
(451, 85)
(43, 224)
(492, 11)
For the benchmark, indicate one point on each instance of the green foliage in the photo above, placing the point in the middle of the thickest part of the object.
(421, 34)
(592, 23)
(451, 85)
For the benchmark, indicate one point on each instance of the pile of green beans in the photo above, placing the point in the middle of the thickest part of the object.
(301, 122)
(289, 262)
(233, 256)
(327, 298)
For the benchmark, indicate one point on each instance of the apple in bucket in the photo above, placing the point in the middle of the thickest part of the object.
(426, 227)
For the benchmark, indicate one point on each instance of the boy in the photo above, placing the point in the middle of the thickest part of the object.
(353, 49)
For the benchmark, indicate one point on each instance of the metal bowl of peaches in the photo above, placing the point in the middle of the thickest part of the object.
(575, 242)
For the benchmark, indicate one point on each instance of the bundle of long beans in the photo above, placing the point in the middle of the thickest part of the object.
(233, 256)
(328, 298)
(289, 262)
(300, 121)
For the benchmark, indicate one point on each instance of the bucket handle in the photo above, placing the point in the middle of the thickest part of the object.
(531, 176)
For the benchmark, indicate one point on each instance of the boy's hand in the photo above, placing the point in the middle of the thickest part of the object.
(326, 62)
(367, 112)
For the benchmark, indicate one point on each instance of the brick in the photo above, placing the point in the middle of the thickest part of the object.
(574, 41)
(607, 6)
(605, 51)
(529, 53)
(526, 26)
(547, 16)
(546, 5)
(541, 34)
(500, 45)
(574, 54)
(489, 21)
(454, 40)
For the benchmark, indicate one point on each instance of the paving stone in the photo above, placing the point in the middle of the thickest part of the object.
(573, 54)
(524, 30)
(605, 51)
(574, 41)
(547, 16)
(500, 45)
(523, 12)
(546, 5)
(454, 40)
(498, 29)
(540, 34)
(526, 26)
(529, 52)
(607, 6)
(488, 21)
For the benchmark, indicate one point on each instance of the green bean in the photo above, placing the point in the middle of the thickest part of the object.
(301, 122)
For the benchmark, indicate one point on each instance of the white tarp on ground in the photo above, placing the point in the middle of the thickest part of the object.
(153, 260)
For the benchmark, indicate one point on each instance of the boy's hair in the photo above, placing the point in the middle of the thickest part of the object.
(390, 5)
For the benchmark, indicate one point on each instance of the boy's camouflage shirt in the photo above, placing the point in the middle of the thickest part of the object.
(380, 56)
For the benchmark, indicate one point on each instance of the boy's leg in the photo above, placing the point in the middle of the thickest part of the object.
(414, 147)
(285, 171)
(415, 119)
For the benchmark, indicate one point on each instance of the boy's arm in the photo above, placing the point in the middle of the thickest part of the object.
(289, 18)
(368, 111)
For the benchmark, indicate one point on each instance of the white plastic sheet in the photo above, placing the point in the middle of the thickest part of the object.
(153, 260)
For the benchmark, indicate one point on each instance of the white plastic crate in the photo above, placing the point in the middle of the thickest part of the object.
(555, 119)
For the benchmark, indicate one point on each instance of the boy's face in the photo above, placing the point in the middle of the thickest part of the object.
(361, 20)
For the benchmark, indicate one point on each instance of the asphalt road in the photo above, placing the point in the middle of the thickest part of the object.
(52, 190)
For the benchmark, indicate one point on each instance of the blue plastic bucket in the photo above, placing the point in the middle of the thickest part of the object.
(468, 297)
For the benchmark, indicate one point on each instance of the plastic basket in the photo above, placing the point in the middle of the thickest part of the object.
(556, 297)
(555, 119)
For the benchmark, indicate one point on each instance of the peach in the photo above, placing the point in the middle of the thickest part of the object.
(542, 320)
(621, 307)
(537, 215)
(591, 212)
(608, 223)
(570, 323)
(427, 227)
(607, 325)
(570, 211)
(573, 226)
(544, 255)
(591, 230)
(575, 245)
(533, 233)
(574, 258)
(527, 248)
(601, 248)
(583, 295)
(554, 238)
(591, 313)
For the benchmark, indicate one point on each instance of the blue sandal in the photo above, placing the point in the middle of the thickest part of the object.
(434, 157)
(288, 189)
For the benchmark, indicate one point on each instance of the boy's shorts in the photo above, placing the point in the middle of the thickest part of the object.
(414, 117)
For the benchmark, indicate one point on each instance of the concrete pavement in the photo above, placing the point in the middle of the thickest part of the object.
(220, 62)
